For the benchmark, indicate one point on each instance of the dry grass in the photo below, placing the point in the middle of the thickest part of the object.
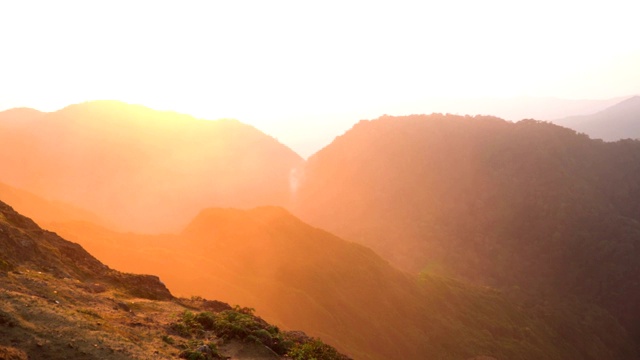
(44, 317)
(54, 318)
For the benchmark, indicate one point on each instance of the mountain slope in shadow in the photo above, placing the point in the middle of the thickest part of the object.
(527, 204)
(142, 169)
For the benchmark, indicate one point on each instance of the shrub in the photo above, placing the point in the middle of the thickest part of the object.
(6, 266)
(241, 324)
(315, 350)
(206, 320)
(201, 351)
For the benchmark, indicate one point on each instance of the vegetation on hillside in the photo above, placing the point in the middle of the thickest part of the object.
(240, 324)
(528, 204)
(549, 217)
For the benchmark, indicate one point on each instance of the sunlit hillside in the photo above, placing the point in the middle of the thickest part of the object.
(458, 202)
(141, 169)
(59, 302)
(45, 211)
(333, 180)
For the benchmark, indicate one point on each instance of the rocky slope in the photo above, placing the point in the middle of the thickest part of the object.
(59, 302)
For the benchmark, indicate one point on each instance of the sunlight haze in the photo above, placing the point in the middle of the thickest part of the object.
(332, 180)
(296, 69)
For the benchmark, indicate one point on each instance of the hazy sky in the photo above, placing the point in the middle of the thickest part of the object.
(293, 68)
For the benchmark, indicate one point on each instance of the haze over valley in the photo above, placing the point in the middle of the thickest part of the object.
(331, 181)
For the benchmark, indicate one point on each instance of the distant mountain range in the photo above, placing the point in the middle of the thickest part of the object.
(141, 169)
(620, 121)
(46, 212)
(513, 108)
(544, 216)
(308, 134)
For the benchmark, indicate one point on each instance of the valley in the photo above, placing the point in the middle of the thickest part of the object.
(424, 236)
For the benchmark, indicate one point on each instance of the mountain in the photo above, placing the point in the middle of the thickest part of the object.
(59, 302)
(308, 134)
(19, 116)
(45, 212)
(302, 277)
(26, 244)
(141, 169)
(527, 205)
(620, 121)
(511, 108)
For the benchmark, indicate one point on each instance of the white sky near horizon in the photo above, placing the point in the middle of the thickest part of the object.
(293, 68)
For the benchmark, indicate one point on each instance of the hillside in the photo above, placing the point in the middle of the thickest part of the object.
(547, 216)
(528, 204)
(302, 277)
(141, 169)
(620, 121)
(59, 302)
(43, 211)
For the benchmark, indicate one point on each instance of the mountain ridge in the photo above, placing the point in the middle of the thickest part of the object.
(32, 245)
(620, 121)
(295, 274)
(142, 169)
(527, 204)
(59, 302)
(523, 205)
(44, 211)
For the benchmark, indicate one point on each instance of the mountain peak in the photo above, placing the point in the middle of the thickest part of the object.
(215, 221)
(620, 121)
(629, 106)
(105, 104)
(21, 111)
(634, 98)
(144, 170)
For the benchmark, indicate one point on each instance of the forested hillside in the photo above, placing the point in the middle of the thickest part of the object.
(528, 204)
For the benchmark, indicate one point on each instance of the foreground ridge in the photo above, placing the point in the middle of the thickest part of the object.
(59, 302)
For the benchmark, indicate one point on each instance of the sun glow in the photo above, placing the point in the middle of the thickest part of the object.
(273, 64)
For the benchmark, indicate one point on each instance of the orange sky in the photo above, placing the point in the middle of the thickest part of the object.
(288, 67)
